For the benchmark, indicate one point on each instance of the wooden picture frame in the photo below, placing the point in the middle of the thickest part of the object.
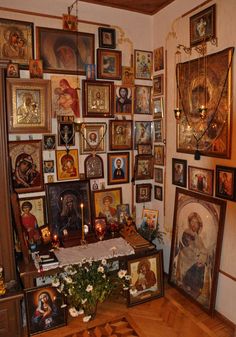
(26, 154)
(98, 98)
(225, 185)
(158, 130)
(196, 246)
(105, 203)
(158, 85)
(143, 193)
(13, 70)
(158, 175)
(65, 95)
(92, 138)
(143, 133)
(107, 37)
(158, 195)
(28, 105)
(158, 56)
(143, 61)
(158, 107)
(109, 64)
(36, 68)
(124, 100)
(90, 71)
(144, 149)
(48, 166)
(49, 142)
(93, 167)
(200, 180)
(118, 168)
(216, 139)
(67, 164)
(100, 227)
(120, 135)
(37, 299)
(20, 33)
(203, 26)
(142, 100)
(45, 235)
(179, 172)
(147, 286)
(57, 196)
(143, 167)
(159, 155)
(37, 211)
(64, 52)
(151, 216)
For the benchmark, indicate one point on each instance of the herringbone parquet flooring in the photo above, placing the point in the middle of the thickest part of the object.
(170, 316)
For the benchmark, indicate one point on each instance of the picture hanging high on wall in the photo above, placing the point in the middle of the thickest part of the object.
(211, 135)
(196, 246)
(143, 64)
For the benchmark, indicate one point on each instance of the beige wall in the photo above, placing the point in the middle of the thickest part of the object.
(167, 29)
(171, 29)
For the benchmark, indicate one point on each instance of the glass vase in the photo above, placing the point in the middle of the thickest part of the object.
(90, 309)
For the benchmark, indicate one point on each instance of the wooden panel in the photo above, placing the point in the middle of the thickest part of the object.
(149, 7)
(10, 319)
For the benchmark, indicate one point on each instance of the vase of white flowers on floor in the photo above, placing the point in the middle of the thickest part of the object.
(86, 284)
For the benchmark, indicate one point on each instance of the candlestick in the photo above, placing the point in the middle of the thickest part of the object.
(82, 218)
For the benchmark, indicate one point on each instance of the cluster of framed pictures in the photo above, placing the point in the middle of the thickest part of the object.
(202, 180)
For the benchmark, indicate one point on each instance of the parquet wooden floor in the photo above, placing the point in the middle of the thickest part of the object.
(170, 316)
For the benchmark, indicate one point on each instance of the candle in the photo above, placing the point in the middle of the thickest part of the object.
(82, 218)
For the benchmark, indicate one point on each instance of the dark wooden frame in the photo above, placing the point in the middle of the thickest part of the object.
(158, 85)
(111, 159)
(183, 178)
(35, 204)
(158, 108)
(144, 149)
(204, 183)
(33, 152)
(40, 90)
(52, 145)
(148, 293)
(148, 167)
(128, 105)
(147, 196)
(118, 141)
(30, 298)
(58, 37)
(26, 34)
(139, 107)
(106, 44)
(207, 31)
(158, 196)
(55, 193)
(71, 133)
(221, 191)
(112, 74)
(146, 75)
(100, 130)
(93, 167)
(158, 177)
(158, 130)
(104, 87)
(210, 215)
(148, 125)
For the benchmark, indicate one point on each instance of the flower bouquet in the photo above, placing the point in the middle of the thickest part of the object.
(88, 283)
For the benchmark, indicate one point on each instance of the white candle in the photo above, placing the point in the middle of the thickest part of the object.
(82, 218)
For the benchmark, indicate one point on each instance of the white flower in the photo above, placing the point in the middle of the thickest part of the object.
(133, 291)
(100, 269)
(86, 318)
(84, 260)
(73, 312)
(104, 276)
(61, 287)
(128, 277)
(80, 312)
(86, 268)
(89, 288)
(64, 305)
(56, 282)
(68, 280)
(84, 301)
(122, 273)
(104, 262)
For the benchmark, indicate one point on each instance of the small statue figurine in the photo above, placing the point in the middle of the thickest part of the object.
(2, 286)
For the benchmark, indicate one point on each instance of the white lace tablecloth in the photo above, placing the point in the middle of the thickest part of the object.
(106, 249)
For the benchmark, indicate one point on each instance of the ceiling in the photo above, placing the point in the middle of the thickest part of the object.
(148, 7)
